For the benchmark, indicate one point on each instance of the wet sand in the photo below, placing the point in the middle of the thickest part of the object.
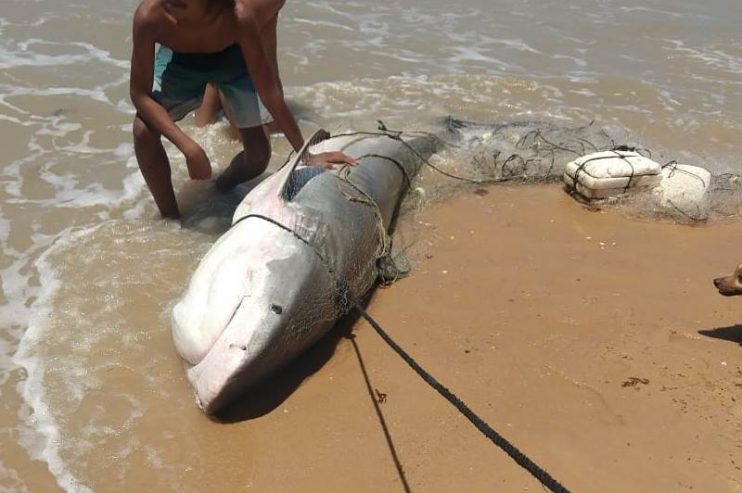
(595, 343)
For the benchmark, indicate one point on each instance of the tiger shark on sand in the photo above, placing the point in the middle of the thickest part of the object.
(302, 243)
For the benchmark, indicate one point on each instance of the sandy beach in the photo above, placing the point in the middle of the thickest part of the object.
(594, 342)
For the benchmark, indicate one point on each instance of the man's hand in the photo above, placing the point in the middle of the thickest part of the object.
(329, 160)
(199, 167)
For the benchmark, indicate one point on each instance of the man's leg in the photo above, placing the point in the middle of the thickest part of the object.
(155, 168)
(250, 162)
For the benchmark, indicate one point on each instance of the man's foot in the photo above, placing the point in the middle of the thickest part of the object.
(236, 173)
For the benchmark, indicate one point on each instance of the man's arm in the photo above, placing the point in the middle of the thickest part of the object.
(266, 81)
(149, 110)
(264, 77)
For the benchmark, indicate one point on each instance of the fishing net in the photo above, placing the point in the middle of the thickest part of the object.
(326, 248)
(467, 154)
(474, 154)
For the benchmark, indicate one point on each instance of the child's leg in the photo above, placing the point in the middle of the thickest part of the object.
(155, 168)
(210, 106)
(208, 112)
(250, 162)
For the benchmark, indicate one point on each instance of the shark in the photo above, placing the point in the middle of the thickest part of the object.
(303, 245)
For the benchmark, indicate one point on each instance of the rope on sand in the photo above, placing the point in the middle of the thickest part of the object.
(519, 457)
(350, 301)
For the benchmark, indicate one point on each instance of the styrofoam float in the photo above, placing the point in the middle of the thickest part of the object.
(611, 173)
(685, 189)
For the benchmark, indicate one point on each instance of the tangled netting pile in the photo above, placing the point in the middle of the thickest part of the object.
(537, 152)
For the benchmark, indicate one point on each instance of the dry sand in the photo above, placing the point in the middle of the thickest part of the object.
(595, 343)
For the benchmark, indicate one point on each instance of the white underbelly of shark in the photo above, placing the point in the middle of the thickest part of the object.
(302, 243)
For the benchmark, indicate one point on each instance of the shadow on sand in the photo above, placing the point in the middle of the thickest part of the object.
(269, 395)
(732, 333)
(275, 389)
(207, 210)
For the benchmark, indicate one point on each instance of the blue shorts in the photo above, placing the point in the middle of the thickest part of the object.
(180, 80)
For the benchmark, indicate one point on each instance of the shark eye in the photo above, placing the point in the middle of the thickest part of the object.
(277, 309)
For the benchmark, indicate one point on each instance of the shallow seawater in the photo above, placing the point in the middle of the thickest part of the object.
(88, 274)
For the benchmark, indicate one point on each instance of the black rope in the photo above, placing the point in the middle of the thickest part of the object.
(519, 457)
(513, 452)
(377, 407)
(537, 472)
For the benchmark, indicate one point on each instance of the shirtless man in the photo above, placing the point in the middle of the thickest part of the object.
(231, 43)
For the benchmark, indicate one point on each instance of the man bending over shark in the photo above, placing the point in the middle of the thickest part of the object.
(231, 43)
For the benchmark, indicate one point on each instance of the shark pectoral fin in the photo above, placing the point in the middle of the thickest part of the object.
(284, 174)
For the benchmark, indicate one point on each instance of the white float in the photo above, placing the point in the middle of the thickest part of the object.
(684, 188)
(611, 173)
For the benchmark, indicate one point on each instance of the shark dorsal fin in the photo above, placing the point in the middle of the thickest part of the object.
(284, 174)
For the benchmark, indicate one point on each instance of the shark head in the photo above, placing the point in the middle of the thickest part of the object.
(248, 309)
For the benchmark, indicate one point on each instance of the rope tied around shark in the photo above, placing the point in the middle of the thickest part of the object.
(260, 297)
(349, 300)
(503, 152)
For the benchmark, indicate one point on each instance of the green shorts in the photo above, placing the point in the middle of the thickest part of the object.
(180, 80)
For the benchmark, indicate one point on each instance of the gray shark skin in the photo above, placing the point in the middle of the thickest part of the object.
(301, 243)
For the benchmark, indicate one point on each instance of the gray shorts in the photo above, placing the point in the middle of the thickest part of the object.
(180, 80)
